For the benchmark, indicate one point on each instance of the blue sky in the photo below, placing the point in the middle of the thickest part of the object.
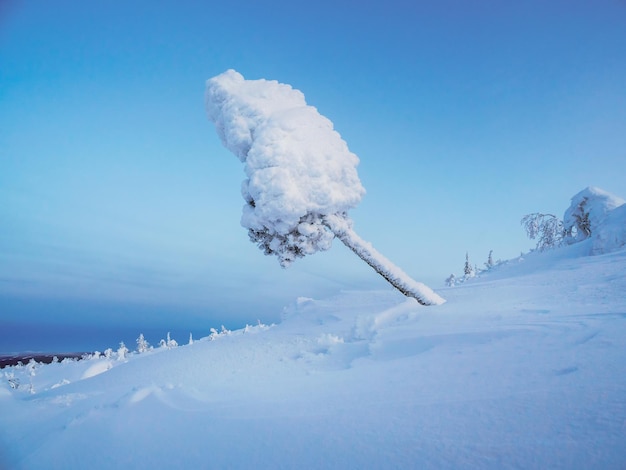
(120, 208)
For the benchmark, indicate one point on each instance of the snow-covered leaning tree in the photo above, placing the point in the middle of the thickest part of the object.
(301, 176)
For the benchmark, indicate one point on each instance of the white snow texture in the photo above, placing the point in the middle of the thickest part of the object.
(523, 368)
(587, 211)
(297, 166)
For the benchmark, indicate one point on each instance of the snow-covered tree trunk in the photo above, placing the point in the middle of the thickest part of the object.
(393, 274)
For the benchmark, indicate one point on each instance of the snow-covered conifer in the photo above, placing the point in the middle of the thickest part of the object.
(301, 177)
(142, 344)
(489, 263)
(190, 339)
(451, 281)
(168, 343)
(122, 351)
(214, 334)
(468, 271)
(32, 367)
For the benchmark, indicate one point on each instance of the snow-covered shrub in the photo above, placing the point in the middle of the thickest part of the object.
(215, 334)
(586, 212)
(142, 344)
(169, 343)
(32, 367)
(14, 382)
(122, 351)
(546, 228)
(258, 327)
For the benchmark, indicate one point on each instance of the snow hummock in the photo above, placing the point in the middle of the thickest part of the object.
(523, 367)
(610, 235)
(586, 212)
(298, 167)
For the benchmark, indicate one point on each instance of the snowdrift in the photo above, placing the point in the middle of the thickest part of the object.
(591, 214)
(522, 368)
(611, 233)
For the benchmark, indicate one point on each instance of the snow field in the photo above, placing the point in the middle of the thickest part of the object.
(521, 368)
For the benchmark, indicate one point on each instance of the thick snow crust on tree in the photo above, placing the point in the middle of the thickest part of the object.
(610, 235)
(297, 166)
(586, 212)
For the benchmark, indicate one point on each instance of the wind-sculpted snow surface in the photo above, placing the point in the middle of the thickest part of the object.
(524, 367)
(302, 178)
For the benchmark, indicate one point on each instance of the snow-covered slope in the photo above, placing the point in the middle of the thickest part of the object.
(524, 367)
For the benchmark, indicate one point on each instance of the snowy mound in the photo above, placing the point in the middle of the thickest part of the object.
(297, 166)
(586, 212)
(611, 232)
(523, 368)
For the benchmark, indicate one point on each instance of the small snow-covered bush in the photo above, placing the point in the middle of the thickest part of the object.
(258, 327)
(122, 351)
(546, 228)
(142, 344)
(215, 334)
(169, 343)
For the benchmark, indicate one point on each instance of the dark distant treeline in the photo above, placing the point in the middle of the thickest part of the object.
(15, 359)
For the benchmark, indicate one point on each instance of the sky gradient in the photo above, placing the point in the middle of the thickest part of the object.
(119, 207)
